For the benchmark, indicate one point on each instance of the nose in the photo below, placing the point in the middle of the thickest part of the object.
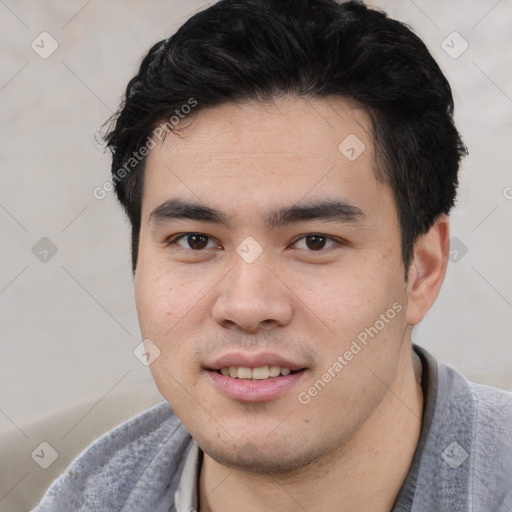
(252, 298)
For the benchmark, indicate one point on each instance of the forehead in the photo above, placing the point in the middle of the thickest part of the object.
(266, 153)
(287, 127)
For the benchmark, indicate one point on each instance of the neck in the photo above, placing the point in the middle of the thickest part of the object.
(366, 473)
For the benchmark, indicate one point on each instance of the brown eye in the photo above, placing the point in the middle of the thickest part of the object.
(197, 241)
(194, 241)
(315, 242)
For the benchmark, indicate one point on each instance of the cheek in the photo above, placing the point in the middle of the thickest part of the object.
(167, 318)
(165, 297)
(172, 309)
(363, 321)
(153, 299)
(345, 301)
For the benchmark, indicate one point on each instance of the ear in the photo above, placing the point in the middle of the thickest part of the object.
(427, 270)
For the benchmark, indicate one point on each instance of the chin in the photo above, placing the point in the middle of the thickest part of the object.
(263, 457)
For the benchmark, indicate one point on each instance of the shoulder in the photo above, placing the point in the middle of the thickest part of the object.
(491, 468)
(475, 426)
(488, 408)
(136, 460)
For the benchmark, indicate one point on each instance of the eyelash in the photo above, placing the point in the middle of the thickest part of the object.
(173, 241)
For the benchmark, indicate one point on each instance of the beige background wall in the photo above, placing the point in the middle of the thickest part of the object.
(68, 324)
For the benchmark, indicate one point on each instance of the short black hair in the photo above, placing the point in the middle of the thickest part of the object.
(241, 50)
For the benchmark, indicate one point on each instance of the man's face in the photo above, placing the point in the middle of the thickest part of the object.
(261, 288)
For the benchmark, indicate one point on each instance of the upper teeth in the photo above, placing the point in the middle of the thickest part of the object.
(262, 372)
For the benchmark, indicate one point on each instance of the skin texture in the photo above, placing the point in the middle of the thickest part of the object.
(350, 447)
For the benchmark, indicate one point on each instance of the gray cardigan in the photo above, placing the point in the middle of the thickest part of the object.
(463, 461)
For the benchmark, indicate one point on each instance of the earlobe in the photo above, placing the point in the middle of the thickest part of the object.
(428, 269)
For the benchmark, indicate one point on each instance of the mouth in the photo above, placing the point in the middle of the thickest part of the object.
(254, 376)
(258, 384)
(260, 373)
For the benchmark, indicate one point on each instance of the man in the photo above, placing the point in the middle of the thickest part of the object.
(287, 168)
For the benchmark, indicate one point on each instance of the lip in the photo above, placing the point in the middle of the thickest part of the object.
(254, 390)
(253, 361)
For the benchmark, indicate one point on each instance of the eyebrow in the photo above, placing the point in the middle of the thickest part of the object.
(335, 210)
